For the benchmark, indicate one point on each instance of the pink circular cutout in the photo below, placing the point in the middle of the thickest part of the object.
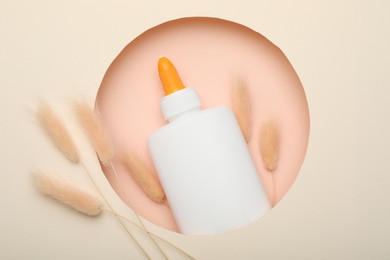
(210, 55)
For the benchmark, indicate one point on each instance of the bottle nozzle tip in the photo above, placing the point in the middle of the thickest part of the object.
(169, 77)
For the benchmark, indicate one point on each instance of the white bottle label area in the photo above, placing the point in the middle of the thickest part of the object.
(207, 173)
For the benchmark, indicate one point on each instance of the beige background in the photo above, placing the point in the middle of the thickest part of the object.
(339, 207)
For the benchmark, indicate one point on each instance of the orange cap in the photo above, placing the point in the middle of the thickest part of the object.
(169, 77)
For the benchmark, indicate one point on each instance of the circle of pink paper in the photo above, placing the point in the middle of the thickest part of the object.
(210, 55)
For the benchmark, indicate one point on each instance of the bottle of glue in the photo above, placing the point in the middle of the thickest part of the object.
(203, 162)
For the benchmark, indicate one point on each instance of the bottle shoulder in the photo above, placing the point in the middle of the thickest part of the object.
(200, 114)
(197, 117)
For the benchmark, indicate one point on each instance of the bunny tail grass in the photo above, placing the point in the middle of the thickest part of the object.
(67, 194)
(95, 132)
(242, 107)
(144, 179)
(269, 146)
(57, 131)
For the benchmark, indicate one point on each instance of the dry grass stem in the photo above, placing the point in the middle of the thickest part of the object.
(242, 107)
(144, 179)
(269, 146)
(142, 224)
(150, 233)
(57, 131)
(95, 132)
(116, 216)
(67, 194)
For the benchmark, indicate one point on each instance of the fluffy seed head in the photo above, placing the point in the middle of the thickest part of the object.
(242, 107)
(57, 131)
(269, 146)
(67, 194)
(142, 176)
(95, 132)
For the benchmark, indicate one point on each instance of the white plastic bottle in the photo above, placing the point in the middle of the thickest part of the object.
(203, 163)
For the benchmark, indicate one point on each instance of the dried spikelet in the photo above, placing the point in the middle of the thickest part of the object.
(269, 146)
(57, 131)
(67, 194)
(242, 107)
(144, 179)
(95, 132)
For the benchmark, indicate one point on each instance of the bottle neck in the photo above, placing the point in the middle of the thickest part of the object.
(184, 115)
(180, 103)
